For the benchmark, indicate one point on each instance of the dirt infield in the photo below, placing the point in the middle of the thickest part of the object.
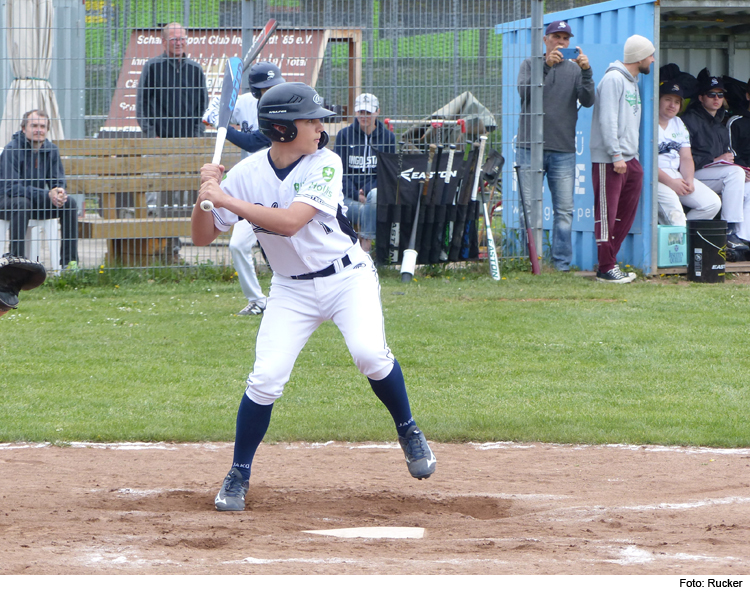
(489, 509)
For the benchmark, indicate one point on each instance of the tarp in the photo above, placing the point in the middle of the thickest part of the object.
(478, 119)
(30, 42)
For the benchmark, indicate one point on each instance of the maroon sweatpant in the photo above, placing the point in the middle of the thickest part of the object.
(615, 203)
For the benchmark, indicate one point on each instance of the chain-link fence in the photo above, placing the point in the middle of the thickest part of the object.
(435, 66)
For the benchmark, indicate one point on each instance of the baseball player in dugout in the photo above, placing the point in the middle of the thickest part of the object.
(261, 78)
(357, 145)
(292, 195)
(568, 82)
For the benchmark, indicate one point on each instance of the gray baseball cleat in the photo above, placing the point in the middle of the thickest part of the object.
(419, 457)
(231, 497)
(252, 309)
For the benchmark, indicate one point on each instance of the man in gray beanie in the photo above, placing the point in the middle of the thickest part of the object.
(617, 174)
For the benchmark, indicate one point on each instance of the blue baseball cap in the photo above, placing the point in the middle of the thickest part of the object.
(558, 26)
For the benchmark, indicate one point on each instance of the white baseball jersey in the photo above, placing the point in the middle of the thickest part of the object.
(246, 112)
(671, 140)
(315, 180)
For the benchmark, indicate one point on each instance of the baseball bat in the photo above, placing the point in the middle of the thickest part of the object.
(259, 43)
(395, 239)
(437, 246)
(423, 244)
(230, 90)
(409, 259)
(462, 204)
(529, 234)
(491, 251)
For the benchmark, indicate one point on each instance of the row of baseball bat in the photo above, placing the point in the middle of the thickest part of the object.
(446, 238)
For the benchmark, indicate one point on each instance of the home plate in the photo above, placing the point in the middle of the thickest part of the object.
(376, 532)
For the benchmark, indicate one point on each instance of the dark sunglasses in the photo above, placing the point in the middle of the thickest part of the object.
(715, 94)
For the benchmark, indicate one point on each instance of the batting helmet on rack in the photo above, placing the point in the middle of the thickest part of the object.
(263, 75)
(283, 104)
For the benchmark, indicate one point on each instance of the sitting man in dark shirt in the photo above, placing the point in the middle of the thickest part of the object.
(32, 187)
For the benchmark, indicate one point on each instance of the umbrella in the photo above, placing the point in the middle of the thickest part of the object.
(29, 27)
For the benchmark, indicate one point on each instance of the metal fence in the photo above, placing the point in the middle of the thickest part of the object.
(81, 63)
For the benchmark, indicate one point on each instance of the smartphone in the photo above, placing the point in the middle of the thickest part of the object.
(569, 53)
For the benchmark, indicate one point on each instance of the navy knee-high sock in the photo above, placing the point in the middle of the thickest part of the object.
(252, 424)
(392, 393)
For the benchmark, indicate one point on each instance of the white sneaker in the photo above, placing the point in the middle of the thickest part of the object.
(211, 116)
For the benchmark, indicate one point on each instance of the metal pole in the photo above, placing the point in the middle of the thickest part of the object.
(537, 120)
(370, 41)
(186, 13)
(456, 49)
(396, 25)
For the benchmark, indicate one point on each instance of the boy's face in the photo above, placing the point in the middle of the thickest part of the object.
(713, 100)
(669, 106)
(308, 135)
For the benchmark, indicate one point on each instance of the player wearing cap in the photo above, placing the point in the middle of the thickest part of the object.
(739, 133)
(677, 183)
(566, 84)
(709, 139)
(617, 174)
(358, 145)
(292, 194)
(261, 77)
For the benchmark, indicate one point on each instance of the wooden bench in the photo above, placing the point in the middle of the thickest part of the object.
(108, 168)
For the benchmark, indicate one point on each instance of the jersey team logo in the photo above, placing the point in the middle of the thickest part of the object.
(328, 173)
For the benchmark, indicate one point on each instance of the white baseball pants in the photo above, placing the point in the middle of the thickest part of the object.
(296, 308)
(729, 182)
(704, 203)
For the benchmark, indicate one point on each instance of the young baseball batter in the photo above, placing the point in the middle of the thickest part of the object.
(292, 194)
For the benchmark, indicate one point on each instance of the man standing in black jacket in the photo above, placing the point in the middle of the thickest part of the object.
(172, 93)
(171, 99)
(357, 145)
(32, 187)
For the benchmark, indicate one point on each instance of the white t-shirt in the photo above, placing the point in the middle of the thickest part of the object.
(315, 180)
(246, 112)
(671, 140)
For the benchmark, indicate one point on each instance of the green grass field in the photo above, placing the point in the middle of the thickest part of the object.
(554, 358)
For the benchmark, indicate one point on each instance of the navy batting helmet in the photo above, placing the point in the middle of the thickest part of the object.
(263, 75)
(281, 105)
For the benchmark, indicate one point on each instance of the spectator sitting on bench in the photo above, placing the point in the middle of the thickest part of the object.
(32, 187)
(677, 184)
(357, 146)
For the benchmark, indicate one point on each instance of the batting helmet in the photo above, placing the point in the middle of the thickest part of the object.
(263, 75)
(281, 105)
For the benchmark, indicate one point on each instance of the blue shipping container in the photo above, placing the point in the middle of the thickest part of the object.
(600, 30)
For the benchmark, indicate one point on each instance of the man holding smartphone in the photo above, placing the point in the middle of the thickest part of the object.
(567, 82)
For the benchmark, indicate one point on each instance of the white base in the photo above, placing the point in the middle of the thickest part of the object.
(375, 532)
